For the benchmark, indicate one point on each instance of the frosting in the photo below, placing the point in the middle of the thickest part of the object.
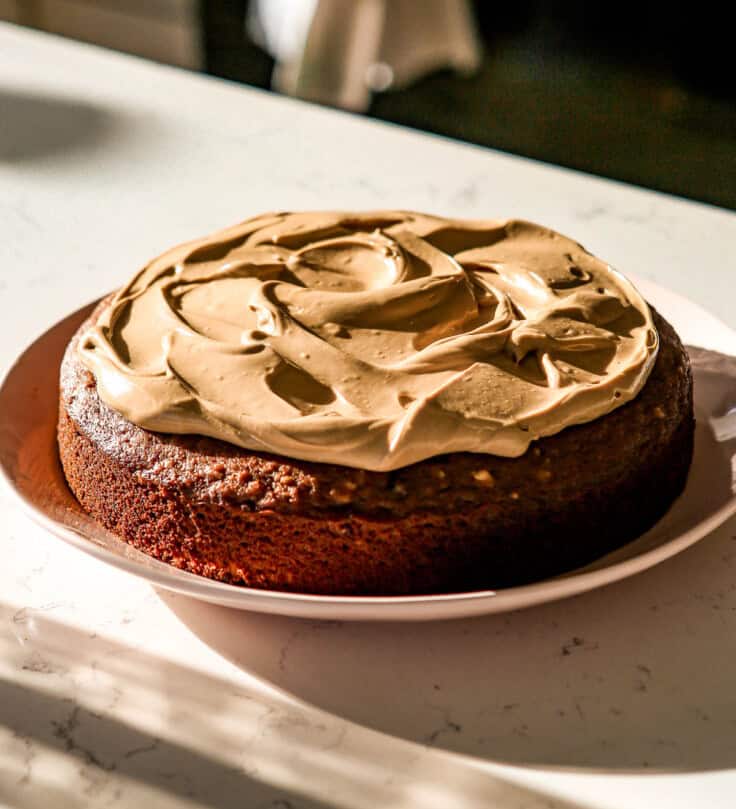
(372, 340)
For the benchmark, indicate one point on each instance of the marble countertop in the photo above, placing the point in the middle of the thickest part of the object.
(114, 694)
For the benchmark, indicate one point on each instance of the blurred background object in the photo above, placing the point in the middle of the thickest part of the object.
(164, 30)
(339, 51)
(639, 92)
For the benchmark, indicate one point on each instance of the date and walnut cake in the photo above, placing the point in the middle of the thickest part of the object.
(376, 403)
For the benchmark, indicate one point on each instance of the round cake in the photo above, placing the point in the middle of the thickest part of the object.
(383, 403)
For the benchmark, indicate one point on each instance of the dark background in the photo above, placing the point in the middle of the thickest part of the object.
(639, 92)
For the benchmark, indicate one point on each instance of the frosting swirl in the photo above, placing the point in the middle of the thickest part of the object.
(372, 340)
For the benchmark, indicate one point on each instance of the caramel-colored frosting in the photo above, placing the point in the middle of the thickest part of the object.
(372, 340)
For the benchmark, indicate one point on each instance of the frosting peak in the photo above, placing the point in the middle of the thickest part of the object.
(372, 340)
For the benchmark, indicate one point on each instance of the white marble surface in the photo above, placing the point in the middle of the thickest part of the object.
(114, 695)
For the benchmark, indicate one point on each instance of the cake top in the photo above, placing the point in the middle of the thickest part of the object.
(372, 340)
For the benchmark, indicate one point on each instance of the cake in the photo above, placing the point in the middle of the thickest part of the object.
(382, 403)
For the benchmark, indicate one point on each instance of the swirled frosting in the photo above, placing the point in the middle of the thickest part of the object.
(372, 340)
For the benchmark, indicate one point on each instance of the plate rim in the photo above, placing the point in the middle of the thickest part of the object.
(375, 608)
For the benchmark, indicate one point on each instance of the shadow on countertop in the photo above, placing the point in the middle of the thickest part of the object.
(107, 752)
(34, 126)
(118, 720)
(635, 677)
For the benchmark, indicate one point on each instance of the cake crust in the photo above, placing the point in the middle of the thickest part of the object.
(456, 522)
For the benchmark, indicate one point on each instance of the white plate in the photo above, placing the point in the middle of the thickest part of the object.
(29, 463)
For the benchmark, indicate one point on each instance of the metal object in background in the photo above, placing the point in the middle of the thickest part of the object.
(339, 52)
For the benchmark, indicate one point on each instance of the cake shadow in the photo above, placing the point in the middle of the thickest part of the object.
(144, 723)
(635, 677)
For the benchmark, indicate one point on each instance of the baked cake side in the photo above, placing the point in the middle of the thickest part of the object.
(455, 522)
